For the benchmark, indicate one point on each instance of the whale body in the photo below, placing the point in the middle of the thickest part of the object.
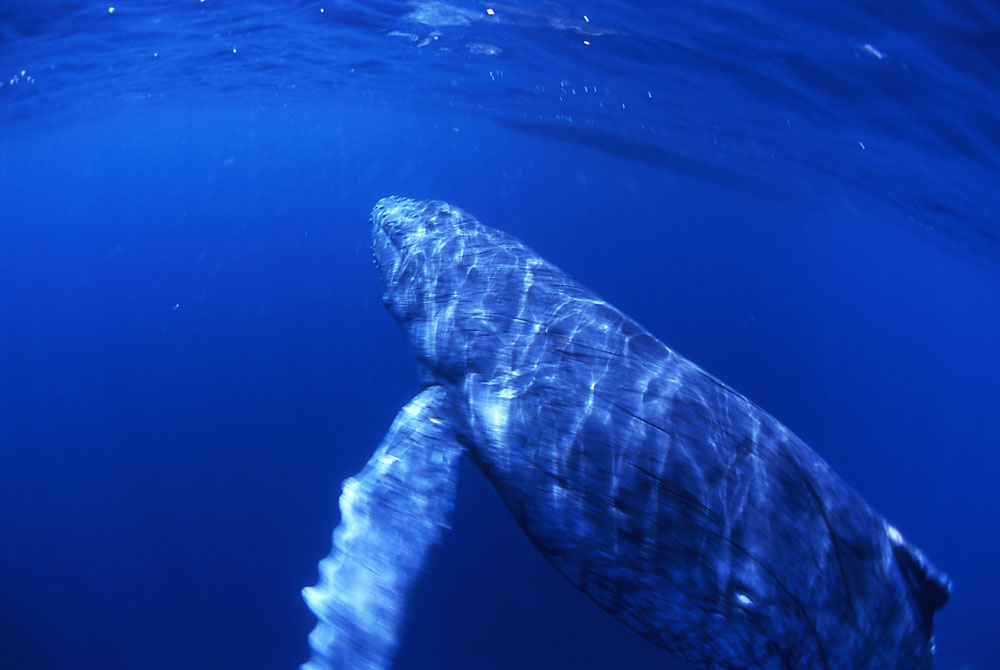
(675, 503)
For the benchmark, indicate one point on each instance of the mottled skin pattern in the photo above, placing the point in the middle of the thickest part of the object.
(675, 503)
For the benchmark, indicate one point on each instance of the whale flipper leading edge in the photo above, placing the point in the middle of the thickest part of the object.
(675, 503)
(392, 513)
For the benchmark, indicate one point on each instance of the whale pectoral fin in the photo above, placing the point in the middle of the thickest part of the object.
(393, 513)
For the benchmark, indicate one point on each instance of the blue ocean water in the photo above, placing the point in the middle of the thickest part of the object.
(193, 352)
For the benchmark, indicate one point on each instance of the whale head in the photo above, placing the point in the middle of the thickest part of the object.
(454, 285)
(409, 239)
(426, 254)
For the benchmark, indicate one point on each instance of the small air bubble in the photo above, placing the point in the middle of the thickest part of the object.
(111, 10)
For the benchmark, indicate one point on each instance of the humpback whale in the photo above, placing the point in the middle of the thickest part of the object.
(675, 503)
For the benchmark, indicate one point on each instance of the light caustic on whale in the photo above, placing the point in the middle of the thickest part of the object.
(675, 503)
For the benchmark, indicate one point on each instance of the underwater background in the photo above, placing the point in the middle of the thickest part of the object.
(801, 198)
